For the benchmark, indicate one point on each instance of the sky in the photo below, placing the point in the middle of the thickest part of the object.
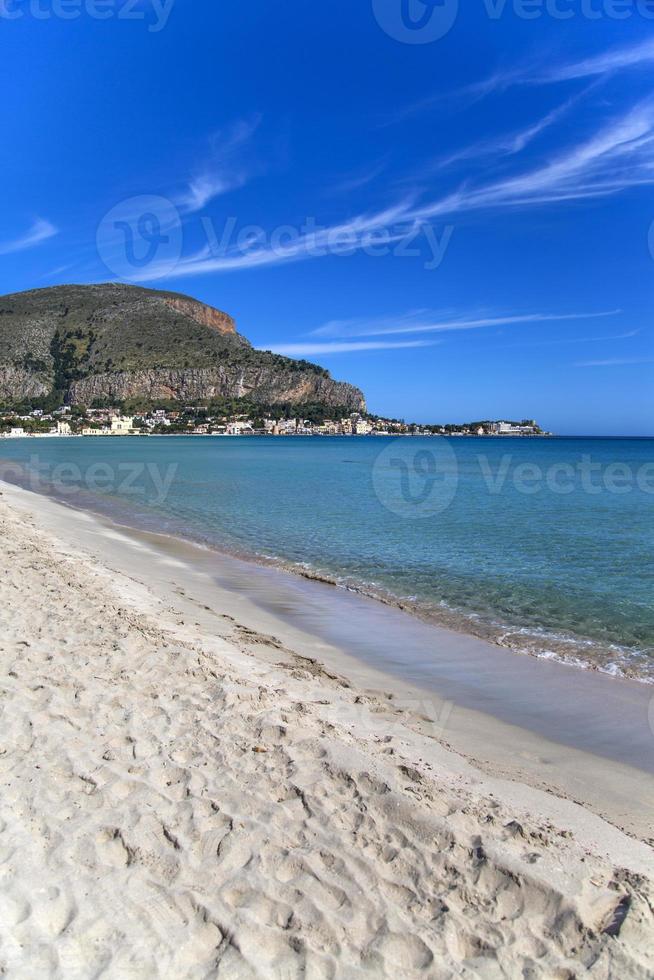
(448, 206)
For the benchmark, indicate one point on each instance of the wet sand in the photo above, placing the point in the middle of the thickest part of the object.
(552, 725)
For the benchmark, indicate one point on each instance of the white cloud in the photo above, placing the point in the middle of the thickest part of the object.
(617, 156)
(575, 340)
(420, 321)
(205, 188)
(632, 56)
(507, 144)
(358, 180)
(616, 362)
(40, 231)
(225, 171)
(616, 59)
(345, 347)
(296, 245)
(415, 321)
(540, 72)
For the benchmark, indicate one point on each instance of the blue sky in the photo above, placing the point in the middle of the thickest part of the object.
(459, 224)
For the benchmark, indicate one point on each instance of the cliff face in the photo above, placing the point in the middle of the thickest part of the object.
(200, 313)
(115, 342)
(268, 385)
(18, 383)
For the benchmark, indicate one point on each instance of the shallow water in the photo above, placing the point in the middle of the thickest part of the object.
(542, 545)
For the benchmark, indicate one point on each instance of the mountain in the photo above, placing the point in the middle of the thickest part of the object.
(113, 342)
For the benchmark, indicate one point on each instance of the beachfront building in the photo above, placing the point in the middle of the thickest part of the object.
(122, 425)
(157, 418)
(527, 428)
(328, 428)
(238, 429)
(119, 426)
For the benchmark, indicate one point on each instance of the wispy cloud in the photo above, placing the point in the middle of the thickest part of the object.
(616, 362)
(357, 180)
(40, 231)
(225, 171)
(344, 347)
(468, 95)
(616, 59)
(574, 340)
(617, 156)
(507, 144)
(420, 321)
(351, 235)
(540, 72)
(632, 56)
(415, 321)
(517, 141)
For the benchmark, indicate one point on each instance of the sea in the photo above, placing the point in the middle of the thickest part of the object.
(541, 545)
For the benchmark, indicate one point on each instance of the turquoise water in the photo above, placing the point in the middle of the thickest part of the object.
(542, 545)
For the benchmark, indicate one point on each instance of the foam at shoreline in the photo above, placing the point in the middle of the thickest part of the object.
(600, 713)
(574, 651)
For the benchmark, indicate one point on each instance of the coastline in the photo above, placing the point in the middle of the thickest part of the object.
(261, 801)
(534, 639)
(387, 647)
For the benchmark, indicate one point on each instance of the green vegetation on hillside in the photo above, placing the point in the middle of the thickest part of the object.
(68, 342)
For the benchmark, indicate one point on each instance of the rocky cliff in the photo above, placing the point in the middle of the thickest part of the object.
(113, 342)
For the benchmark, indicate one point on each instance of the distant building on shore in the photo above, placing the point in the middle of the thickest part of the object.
(120, 425)
(526, 428)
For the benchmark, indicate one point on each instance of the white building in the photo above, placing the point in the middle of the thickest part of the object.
(238, 428)
(122, 425)
(507, 429)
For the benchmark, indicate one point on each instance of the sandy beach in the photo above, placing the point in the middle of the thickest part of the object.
(190, 789)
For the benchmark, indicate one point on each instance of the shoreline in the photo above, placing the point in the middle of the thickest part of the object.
(538, 642)
(481, 701)
(185, 788)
